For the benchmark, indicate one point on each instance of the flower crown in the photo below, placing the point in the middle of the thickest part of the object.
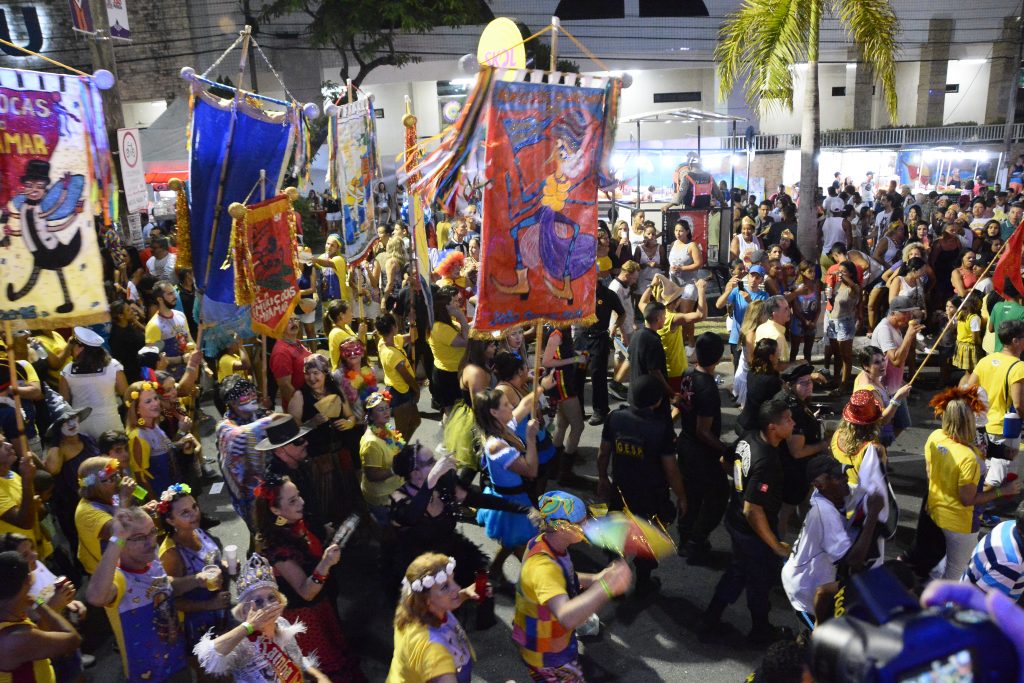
(143, 386)
(103, 475)
(376, 398)
(427, 581)
(168, 496)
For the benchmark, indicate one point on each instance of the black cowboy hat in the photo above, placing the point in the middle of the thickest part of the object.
(36, 169)
(61, 415)
(281, 431)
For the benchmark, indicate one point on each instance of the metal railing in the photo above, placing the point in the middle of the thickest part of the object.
(883, 137)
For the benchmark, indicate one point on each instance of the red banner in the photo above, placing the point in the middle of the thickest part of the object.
(544, 149)
(264, 248)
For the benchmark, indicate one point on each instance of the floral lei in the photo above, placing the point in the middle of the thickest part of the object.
(392, 437)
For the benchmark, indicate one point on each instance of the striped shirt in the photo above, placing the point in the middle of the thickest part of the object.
(997, 562)
(241, 464)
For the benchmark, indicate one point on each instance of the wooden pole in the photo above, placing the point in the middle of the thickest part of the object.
(12, 368)
(219, 204)
(264, 382)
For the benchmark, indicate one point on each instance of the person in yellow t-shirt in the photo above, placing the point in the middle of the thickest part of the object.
(448, 338)
(430, 644)
(338, 321)
(669, 293)
(377, 448)
(18, 507)
(58, 354)
(99, 479)
(968, 334)
(334, 283)
(26, 647)
(234, 360)
(956, 473)
(552, 599)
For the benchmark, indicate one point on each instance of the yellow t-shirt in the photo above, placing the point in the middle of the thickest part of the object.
(446, 356)
(375, 452)
(420, 653)
(36, 671)
(226, 366)
(964, 331)
(390, 358)
(10, 499)
(89, 521)
(992, 377)
(950, 465)
(341, 268)
(540, 580)
(853, 460)
(672, 341)
(54, 344)
(337, 337)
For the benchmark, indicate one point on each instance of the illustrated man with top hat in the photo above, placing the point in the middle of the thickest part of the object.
(47, 223)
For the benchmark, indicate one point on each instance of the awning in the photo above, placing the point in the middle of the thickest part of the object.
(681, 115)
(164, 177)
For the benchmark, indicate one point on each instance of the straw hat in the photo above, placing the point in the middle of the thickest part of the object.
(664, 290)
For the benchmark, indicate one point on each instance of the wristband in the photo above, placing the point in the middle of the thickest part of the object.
(317, 578)
(607, 588)
(893, 403)
(39, 601)
(118, 541)
(249, 628)
(999, 492)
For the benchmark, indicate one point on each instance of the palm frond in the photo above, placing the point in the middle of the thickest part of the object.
(874, 28)
(763, 39)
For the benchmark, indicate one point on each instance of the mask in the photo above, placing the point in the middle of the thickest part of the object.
(248, 407)
(70, 428)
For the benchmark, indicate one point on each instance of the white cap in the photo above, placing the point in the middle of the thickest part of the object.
(87, 337)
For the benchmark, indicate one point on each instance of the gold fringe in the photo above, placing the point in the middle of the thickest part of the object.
(184, 227)
(239, 249)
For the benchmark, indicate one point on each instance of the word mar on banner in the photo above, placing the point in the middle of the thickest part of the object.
(357, 167)
(53, 156)
(133, 173)
(546, 154)
(263, 245)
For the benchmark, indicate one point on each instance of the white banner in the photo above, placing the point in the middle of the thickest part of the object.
(117, 17)
(132, 172)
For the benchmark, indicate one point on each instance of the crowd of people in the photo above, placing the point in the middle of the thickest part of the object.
(100, 502)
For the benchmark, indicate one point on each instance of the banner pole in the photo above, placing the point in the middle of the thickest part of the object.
(12, 369)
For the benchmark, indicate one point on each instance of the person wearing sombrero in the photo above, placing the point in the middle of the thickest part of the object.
(666, 292)
(552, 599)
(67, 448)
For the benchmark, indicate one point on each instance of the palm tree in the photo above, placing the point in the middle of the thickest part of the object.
(764, 40)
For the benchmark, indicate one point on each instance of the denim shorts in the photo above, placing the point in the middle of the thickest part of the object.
(841, 329)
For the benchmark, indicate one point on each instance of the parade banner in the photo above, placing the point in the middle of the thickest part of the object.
(263, 246)
(262, 140)
(544, 155)
(117, 17)
(81, 16)
(356, 167)
(49, 158)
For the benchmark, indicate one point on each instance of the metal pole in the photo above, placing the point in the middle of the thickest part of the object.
(698, 140)
(638, 164)
(12, 369)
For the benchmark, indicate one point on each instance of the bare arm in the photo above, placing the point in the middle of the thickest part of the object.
(284, 385)
(26, 643)
(24, 516)
(295, 406)
(799, 448)
(759, 523)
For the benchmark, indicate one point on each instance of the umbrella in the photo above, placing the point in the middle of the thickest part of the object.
(626, 534)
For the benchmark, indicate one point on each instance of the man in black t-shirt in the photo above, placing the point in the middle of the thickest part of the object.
(806, 440)
(596, 340)
(752, 520)
(701, 450)
(646, 354)
(640, 445)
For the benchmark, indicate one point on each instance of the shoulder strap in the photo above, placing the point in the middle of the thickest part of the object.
(1006, 383)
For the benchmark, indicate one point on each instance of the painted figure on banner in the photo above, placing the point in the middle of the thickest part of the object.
(45, 217)
(49, 250)
(358, 169)
(545, 236)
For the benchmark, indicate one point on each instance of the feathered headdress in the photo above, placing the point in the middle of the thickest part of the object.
(969, 395)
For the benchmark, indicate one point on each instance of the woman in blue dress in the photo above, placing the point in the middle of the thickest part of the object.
(511, 463)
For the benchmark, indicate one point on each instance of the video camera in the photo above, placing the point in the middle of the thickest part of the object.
(885, 636)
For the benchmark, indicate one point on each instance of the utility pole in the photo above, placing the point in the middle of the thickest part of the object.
(101, 47)
(250, 20)
(1011, 101)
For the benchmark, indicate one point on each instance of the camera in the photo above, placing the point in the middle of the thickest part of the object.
(885, 636)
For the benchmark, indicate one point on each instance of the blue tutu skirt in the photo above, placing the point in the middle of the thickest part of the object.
(511, 529)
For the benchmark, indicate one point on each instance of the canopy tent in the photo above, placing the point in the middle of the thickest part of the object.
(679, 115)
(165, 144)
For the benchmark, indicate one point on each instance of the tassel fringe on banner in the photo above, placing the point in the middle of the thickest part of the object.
(241, 254)
(181, 216)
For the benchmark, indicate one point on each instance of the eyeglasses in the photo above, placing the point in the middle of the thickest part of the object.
(139, 538)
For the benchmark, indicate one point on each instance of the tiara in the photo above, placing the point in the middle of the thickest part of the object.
(257, 573)
(426, 582)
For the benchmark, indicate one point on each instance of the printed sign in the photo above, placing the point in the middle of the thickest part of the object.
(117, 17)
(132, 172)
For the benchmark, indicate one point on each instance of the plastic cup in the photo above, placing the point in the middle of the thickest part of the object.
(231, 558)
(211, 574)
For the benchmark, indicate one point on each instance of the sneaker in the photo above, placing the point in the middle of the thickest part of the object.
(597, 419)
(618, 390)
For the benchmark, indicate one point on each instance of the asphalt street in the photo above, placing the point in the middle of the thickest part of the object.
(641, 639)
